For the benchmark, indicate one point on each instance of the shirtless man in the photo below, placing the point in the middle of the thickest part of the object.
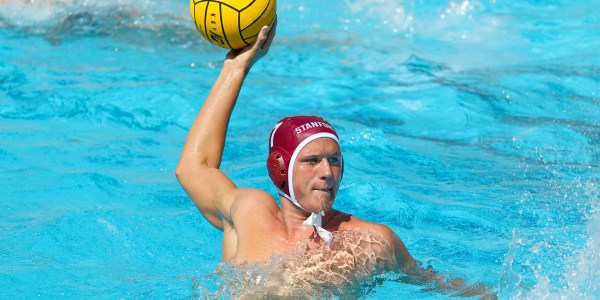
(254, 226)
(305, 163)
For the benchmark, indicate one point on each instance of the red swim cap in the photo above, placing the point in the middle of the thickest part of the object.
(288, 137)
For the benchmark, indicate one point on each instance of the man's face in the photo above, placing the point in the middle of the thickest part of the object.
(317, 171)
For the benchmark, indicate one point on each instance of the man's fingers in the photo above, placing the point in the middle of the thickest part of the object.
(264, 35)
(259, 48)
(271, 33)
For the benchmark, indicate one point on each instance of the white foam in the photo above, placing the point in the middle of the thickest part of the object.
(581, 276)
(578, 279)
(27, 13)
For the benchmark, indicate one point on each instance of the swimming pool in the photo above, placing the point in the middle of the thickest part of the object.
(471, 128)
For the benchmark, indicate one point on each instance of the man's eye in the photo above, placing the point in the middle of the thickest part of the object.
(312, 161)
(333, 160)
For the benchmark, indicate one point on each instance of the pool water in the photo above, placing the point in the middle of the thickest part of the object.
(471, 128)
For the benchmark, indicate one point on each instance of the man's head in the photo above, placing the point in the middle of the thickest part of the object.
(322, 159)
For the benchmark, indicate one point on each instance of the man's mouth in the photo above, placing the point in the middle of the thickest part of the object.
(327, 191)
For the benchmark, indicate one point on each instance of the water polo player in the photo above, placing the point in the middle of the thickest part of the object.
(305, 163)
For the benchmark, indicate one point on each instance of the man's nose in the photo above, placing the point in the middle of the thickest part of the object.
(325, 169)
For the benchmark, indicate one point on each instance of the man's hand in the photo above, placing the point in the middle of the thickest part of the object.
(246, 57)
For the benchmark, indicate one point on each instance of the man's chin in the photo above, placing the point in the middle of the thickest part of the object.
(326, 201)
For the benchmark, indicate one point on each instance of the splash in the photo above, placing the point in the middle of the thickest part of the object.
(557, 268)
(61, 19)
(391, 14)
(580, 277)
(32, 13)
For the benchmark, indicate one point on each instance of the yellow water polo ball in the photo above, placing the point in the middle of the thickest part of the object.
(232, 24)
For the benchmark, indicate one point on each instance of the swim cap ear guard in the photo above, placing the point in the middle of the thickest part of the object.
(277, 170)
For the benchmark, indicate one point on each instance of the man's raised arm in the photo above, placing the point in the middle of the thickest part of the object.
(198, 169)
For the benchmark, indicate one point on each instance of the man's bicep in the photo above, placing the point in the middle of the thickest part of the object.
(212, 192)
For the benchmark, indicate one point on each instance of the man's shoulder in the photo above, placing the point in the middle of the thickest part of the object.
(383, 241)
(395, 246)
(355, 223)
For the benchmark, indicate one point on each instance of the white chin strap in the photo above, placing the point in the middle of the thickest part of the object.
(315, 219)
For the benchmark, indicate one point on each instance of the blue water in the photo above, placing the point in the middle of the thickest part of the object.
(470, 128)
